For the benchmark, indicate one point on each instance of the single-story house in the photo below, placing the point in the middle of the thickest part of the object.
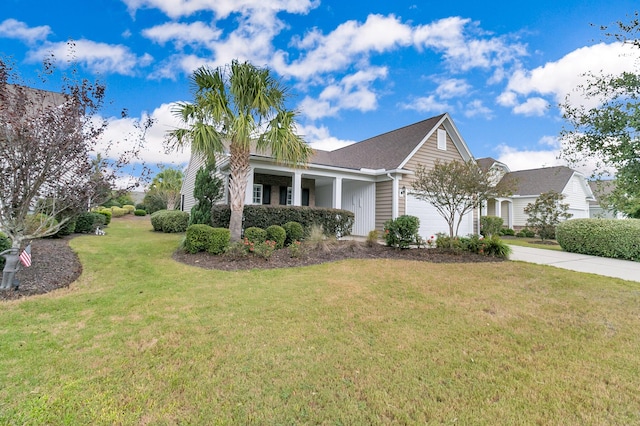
(527, 185)
(371, 178)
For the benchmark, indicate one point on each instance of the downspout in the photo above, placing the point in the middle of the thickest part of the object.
(394, 196)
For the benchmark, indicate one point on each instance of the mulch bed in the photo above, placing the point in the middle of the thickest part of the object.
(336, 251)
(55, 265)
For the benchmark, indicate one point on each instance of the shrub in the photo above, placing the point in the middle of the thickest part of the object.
(67, 228)
(278, 234)
(294, 231)
(318, 240)
(507, 231)
(490, 225)
(129, 208)
(235, 250)
(170, 221)
(255, 235)
(601, 237)
(372, 238)
(139, 212)
(107, 215)
(495, 247)
(402, 231)
(118, 211)
(35, 221)
(525, 233)
(220, 240)
(295, 249)
(265, 249)
(445, 241)
(87, 222)
(197, 238)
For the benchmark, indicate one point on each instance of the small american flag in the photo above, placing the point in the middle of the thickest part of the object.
(25, 256)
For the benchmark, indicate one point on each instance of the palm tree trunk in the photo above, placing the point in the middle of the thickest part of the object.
(239, 165)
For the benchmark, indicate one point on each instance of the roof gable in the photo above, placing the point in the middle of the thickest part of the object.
(537, 181)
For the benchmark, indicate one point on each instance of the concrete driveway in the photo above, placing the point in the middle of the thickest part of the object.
(607, 267)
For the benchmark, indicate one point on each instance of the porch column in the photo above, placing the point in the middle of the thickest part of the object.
(510, 214)
(498, 204)
(248, 197)
(297, 189)
(337, 193)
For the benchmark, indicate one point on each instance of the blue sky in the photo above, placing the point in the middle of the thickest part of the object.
(355, 68)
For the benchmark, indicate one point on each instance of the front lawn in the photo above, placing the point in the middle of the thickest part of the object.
(533, 243)
(142, 339)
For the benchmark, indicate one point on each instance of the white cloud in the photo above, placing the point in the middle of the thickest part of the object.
(347, 44)
(477, 108)
(222, 8)
(98, 57)
(560, 78)
(532, 107)
(183, 34)
(320, 138)
(352, 92)
(426, 104)
(12, 28)
(517, 159)
(452, 87)
(121, 135)
(464, 46)
(507, 99)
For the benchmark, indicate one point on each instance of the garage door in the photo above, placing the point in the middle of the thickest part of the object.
(430, 220)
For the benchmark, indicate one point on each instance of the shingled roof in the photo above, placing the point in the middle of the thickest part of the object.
(386, 151)
(537, 181)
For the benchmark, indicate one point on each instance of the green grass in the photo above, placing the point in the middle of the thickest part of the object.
(532, 242)
(141, 339)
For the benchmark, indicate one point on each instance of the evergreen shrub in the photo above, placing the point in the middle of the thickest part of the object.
(278, 234)
(255, 235)
(294, 232)
(601, 237)
(402, 231)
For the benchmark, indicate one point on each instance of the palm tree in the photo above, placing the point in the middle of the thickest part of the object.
(168, 182)
(234, 107)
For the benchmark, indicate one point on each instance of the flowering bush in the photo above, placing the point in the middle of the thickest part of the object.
(402, 231)
(431, 242)
(266, 249)
(249, 246)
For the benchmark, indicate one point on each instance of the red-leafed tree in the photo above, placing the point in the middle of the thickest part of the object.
(48, 144)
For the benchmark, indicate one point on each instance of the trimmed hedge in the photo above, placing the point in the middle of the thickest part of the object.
(206, 238)
(278, 234)
(294, 232)
(170, 221)
(255, 235)
(87, 222)
(129, 208)
(601, 237)
(118, 211)
(139, 212)
(334, 222)
(107, 215)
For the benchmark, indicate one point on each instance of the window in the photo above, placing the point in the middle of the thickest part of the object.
(286, 196)
(442, 139)
(257, 194)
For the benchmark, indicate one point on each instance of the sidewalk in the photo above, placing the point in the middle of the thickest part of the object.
(607, 267)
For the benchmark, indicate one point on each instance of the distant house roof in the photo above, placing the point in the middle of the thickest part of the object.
(537, 181)
(601, 189)
(487, 162)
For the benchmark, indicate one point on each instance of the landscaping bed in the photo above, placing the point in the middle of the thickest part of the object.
(335, 251)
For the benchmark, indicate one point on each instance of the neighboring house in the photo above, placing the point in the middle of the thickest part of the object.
(371, 178)
(527, 185)
(598, 208)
